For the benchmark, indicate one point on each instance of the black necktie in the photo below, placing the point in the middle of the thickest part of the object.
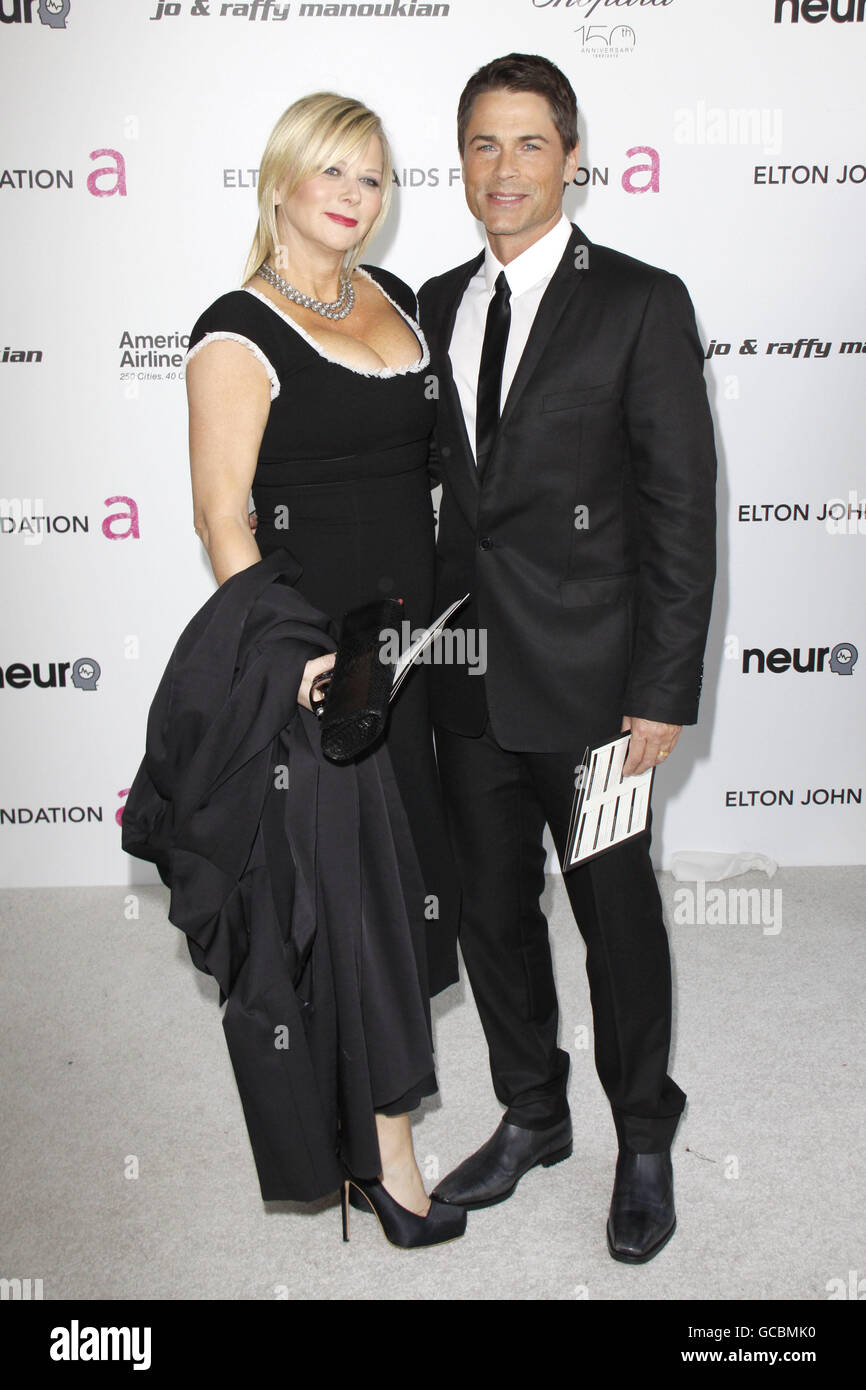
(490, 371)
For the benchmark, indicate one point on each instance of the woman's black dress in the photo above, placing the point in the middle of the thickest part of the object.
(342, 484)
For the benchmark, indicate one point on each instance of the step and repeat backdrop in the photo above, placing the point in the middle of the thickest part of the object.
(721, 139)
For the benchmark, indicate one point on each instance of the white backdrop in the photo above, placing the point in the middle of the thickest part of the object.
(722, 139)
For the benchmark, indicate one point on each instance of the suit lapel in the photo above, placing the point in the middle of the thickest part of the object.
(564, 285)
(448, 386)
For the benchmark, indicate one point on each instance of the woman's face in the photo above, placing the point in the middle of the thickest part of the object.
(336, 208)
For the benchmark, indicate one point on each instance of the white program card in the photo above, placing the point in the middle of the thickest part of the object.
(608, 808)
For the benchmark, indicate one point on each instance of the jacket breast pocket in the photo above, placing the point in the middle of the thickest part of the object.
(593, 593)
(581, 395)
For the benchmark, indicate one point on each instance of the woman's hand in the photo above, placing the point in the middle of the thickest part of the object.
(311, 670)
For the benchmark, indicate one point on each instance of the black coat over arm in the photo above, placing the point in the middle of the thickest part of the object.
(291, 879)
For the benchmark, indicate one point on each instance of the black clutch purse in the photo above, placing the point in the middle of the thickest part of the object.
(354, 695)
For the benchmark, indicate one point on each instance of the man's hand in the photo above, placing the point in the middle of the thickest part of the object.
(650, 743)
(254, 521)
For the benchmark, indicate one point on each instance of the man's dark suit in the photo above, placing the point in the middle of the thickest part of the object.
(589, 615)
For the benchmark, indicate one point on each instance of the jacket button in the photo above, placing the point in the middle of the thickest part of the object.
(485, 543)
(445, 451)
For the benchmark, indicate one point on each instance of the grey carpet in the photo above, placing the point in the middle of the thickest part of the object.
(113, 1055)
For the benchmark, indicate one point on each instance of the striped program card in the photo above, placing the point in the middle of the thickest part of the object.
(608, 808)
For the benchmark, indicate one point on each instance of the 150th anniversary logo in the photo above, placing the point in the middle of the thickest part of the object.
(615, 38)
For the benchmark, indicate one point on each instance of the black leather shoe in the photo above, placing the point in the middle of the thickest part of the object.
(492, 1173)
(642, 1218)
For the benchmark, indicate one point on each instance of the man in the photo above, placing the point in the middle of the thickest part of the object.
(575, 449)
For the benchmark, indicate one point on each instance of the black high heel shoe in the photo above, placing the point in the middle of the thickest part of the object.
(401, 1227)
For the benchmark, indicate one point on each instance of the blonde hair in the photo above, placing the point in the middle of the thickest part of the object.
(312, 133)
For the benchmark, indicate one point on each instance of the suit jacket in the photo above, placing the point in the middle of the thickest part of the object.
(589, 543)
(290, 878)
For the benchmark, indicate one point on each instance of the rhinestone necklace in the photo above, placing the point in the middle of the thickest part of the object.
(337, 309)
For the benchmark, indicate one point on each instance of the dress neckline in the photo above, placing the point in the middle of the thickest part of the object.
(410, 369)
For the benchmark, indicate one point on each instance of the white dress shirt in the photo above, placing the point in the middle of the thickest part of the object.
(528, 276)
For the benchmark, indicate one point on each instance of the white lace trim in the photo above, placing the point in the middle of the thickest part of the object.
(254, 349)
(408, 370)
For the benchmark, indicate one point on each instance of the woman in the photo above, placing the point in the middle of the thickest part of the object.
(307, 386)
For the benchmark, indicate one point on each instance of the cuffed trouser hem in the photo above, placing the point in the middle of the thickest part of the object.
(643, 1135)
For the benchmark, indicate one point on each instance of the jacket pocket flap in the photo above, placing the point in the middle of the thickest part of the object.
(587, 593)
(581, 395)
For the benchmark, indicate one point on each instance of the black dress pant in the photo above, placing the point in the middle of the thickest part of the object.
(498, 802)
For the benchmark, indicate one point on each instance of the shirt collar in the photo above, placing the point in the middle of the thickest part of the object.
(536, 263)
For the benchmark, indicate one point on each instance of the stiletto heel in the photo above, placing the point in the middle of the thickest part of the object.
(400, 1226)
(344, 1204)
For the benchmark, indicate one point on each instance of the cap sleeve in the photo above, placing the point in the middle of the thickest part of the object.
(233, 316)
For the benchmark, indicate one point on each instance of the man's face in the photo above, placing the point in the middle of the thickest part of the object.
(514, 167)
